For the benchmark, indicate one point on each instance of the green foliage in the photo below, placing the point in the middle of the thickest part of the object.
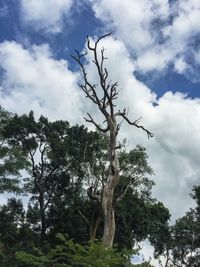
(69, 253)
(54, 156)
(181, 245)
(14, 232)
(138, 215)
(12, 159)
(31, 260)
(138, 220)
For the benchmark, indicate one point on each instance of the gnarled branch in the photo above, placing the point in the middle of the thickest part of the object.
(104, 130)
(135, 123)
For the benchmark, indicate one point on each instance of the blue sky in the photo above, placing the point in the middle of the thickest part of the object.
(154, 54)
(80, 23)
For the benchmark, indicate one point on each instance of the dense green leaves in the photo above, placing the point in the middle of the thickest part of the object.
(68, 253)
(181, 246)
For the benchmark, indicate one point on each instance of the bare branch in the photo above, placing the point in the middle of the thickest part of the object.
(96, 43)
(108, 98)
(83, 216)
(53, 170)
(105, 73)
(134, 123)
(103, 36)
(79, 55)
(88, 88)
(125, 190)
(104, 130)
(118, 147)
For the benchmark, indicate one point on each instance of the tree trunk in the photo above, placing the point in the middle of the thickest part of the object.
(109, 189)
(109, 217)
(94, 227)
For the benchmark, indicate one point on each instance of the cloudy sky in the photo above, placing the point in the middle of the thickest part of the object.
(154, 54)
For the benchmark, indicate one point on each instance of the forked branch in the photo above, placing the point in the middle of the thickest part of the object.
(134, 123)
(108, 93)
(109, 90)
(131, 181)
(104, 130)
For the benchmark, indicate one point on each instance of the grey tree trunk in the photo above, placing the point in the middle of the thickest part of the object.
(109, 217)
(108, 205)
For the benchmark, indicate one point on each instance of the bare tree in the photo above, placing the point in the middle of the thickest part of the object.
(104, 95)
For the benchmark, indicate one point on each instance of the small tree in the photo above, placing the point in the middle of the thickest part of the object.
(181, 247)
(104, 98)
(52, 154)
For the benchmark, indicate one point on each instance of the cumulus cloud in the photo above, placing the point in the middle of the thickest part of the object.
(32, 79)
(135, 26)
(46, 15)
(180, 65)
(156, 32)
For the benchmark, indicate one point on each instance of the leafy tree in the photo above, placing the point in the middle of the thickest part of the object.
(53, 153)
(43, 146)
(12, 159)
(15, 233)
(182, 247)
(139, 219)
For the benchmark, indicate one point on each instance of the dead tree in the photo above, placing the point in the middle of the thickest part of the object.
(103, 95)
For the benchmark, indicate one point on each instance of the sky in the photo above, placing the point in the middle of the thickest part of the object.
(153, 53)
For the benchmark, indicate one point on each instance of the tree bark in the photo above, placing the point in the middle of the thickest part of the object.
(109, 188)
(109, 217)
(94, 227)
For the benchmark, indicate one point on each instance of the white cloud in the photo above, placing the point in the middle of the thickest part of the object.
(147, 255)
(156, 32)
(180, 65)
(134, 28)
(45, 15)
(32, 79)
